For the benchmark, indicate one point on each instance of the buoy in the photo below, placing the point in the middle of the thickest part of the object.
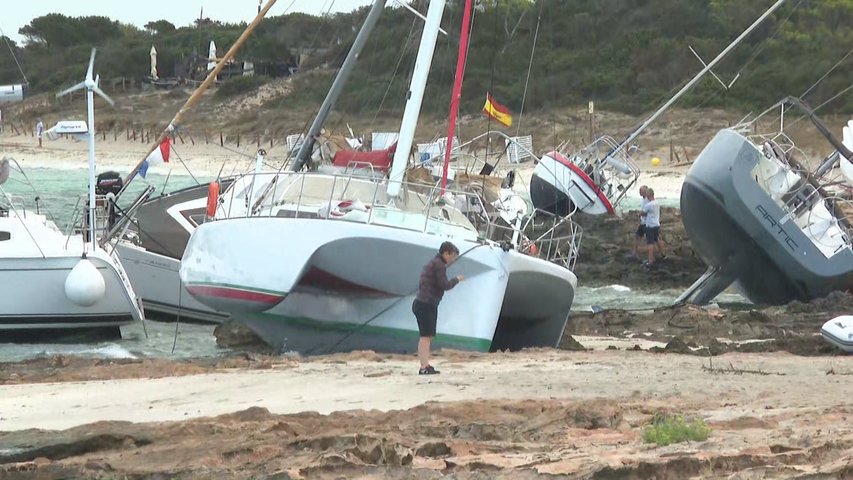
(656, 161)
(85, 285)
(212, 200)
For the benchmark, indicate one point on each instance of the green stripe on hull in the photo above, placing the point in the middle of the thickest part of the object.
(440, 340)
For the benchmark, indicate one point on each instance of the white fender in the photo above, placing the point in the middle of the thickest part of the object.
(85, 285)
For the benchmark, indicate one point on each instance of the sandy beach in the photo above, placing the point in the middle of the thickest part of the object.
(530, 414)
(207, 160)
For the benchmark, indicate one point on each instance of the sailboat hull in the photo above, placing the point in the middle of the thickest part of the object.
(735, 224)
(347, 285)
(34, 296)
(557, 185)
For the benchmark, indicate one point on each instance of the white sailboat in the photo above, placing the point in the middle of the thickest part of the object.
(53, 280)
(321, 262)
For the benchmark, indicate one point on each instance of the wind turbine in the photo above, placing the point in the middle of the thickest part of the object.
(91, 86)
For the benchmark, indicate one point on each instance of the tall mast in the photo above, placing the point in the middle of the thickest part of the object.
(338, 85)
(695, 79)
(415, 96)
(457, 88)
(196, 96)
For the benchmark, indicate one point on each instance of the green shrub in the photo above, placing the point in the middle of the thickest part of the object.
(668, 429)
(239, 85)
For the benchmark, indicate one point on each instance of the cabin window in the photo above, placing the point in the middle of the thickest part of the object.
(5, 236)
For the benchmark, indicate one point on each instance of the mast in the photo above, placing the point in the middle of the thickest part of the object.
(338, 85)
(196, 96)
(695, 79)
(457, 89)
(415, 96)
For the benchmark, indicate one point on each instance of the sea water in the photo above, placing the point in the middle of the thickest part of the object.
(59, 191)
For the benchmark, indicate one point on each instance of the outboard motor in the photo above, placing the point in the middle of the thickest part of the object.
(108, 182)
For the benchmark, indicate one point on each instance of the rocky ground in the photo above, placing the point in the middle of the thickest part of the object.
(607, 239)
(529, 415)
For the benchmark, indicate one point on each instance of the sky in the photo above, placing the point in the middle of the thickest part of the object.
(179, 12)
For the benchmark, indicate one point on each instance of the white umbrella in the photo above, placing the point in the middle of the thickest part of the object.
(153, 54)
(211, 56)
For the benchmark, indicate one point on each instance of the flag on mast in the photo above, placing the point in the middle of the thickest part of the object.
(497, 111)
(159, 156)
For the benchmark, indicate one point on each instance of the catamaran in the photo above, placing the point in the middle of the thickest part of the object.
(318, 262)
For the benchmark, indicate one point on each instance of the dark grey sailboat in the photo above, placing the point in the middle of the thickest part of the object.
(762, 221)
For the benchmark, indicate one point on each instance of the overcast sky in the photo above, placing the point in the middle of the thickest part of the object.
(16, 13)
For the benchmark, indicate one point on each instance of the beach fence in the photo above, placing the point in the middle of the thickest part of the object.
(148, 133)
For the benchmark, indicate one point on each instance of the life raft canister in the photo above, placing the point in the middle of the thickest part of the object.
(212, 200)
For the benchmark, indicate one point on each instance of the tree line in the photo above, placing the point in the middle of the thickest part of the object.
(626, 55)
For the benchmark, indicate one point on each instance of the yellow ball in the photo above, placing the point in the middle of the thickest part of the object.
(656, 161)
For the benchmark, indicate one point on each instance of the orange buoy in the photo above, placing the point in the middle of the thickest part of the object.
(212, 200)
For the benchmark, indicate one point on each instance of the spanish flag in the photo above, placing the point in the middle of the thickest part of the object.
(497, 111)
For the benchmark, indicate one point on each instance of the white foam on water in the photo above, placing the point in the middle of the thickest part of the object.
(110, 350)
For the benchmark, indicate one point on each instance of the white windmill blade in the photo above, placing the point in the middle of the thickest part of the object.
(91, 65)
(103, 95)
(79, 86)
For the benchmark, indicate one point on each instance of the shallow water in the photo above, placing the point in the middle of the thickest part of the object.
(193, 341)
(58, 191)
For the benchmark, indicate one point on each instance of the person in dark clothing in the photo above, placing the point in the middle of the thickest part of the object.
(431, 288)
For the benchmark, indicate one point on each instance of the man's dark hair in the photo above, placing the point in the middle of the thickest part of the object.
(447, 247)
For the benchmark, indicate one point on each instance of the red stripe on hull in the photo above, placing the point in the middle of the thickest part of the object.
(601, 196)
(234, 294)
(319, 278)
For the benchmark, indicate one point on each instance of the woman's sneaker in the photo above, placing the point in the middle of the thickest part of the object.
(428, 370)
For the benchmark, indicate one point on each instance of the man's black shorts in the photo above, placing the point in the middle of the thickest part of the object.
(652, 234)
(641, 231)
(427, 315)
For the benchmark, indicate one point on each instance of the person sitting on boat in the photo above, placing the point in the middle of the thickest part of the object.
(651, 217)
(433, 283)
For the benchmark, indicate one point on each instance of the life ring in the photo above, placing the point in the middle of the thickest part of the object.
(212, 200)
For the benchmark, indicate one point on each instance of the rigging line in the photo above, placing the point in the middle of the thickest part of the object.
(834, 97)
(324, 21)
(529, 68)
(11, 51)
(755, 53)
(358, 328)
(763, 44)
(803, 95)
(394, 74)
(492, 75)
(185, 165)
(238, 152)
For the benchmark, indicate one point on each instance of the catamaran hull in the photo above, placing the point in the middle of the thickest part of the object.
(338, 286)
(155, 280)
(34, 296)
(557, 185)
(738, 230)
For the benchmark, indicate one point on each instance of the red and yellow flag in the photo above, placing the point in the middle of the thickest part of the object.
(497, 111)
